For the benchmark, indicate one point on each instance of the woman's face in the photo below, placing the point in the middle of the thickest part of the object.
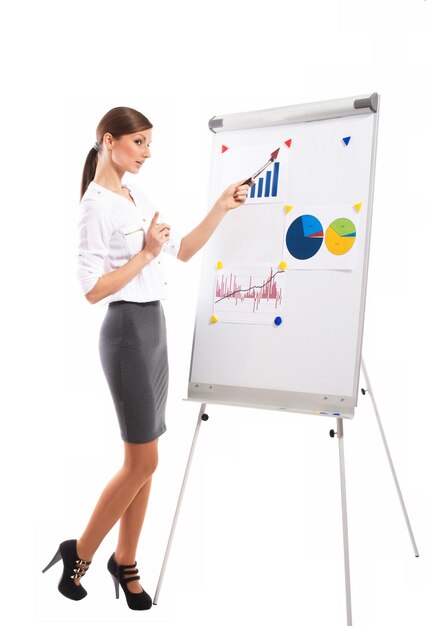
(130, 151)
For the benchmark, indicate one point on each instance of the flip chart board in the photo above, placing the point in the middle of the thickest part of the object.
(281, 304)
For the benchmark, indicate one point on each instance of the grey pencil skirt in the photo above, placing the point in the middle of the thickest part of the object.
(133, 352)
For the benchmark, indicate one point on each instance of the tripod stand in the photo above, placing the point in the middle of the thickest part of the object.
(202, 416)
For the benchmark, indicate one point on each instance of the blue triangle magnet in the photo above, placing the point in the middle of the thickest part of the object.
(346, 140)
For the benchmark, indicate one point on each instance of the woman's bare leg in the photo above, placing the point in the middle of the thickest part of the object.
(140, 462)
(130, 529)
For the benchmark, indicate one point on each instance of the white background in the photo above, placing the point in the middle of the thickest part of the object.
(259, 537)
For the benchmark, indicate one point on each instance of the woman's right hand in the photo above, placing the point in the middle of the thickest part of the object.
(156, 236)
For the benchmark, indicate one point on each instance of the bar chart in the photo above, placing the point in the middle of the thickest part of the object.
(267, 186)
(240, 162)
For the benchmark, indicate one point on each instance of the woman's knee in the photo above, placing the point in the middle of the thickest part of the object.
(151, 462)
(141, 458)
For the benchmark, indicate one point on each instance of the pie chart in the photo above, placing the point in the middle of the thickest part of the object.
(304, 237)
(340, 236)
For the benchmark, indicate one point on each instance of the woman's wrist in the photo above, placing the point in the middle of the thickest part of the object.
(219, 207)
(146, 255)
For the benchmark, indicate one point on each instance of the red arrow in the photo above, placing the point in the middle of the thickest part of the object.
(271, 159)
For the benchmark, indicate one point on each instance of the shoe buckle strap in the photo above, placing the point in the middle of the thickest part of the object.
(129, 580)
(130, 572)
(80, 571)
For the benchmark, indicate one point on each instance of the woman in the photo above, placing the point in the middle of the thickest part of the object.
(120, 248)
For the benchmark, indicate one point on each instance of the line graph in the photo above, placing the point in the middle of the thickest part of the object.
(248, 294)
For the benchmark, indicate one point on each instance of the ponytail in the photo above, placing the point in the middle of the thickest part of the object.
(89, 170)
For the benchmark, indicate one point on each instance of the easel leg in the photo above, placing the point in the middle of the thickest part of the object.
(345, 522)
(201, 417)
(382, 432)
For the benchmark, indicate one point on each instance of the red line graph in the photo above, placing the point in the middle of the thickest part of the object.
(233, 288)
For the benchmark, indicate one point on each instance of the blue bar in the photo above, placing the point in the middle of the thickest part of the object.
(267, 184)
(252, 190)
(260, 188)
(275, 179)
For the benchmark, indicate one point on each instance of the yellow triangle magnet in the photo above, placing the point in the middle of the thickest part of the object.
(213, 319)
(288, 208)
(358, 206)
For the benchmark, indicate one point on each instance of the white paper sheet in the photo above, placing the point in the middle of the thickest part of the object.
(241, 162)
(249, 294)
(321, 237)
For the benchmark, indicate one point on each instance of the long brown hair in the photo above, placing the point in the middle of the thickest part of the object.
(118, 121)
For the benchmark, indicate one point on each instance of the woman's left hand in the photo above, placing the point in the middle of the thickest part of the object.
(235, 195)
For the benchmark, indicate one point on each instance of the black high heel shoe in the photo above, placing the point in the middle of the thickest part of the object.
(137, 601)
(67, 551)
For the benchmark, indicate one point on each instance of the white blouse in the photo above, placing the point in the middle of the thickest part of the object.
(111, 231)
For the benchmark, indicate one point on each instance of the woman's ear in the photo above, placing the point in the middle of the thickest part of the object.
(108, 140)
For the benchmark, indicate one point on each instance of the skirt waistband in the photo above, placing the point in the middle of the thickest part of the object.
(131, 302)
